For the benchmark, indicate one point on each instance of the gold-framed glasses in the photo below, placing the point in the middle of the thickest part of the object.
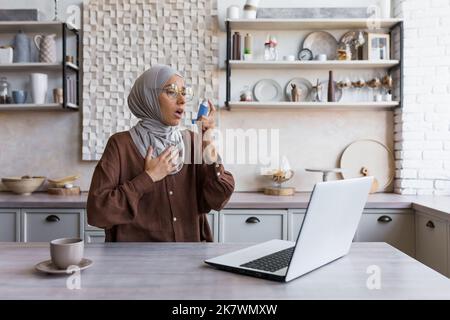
(173, 91)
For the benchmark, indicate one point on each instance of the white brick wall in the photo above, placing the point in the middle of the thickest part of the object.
(422, 127)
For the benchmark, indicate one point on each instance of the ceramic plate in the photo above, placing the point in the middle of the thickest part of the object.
(321, 42)
(324, 97)
(305, 89)
(267, 90)
(373, 155)
(48, 266)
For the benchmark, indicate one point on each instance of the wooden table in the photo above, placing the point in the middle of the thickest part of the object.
(177, 271)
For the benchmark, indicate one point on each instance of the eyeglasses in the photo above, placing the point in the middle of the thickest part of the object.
(173, 91)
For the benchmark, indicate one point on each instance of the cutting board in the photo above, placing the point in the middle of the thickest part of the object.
(64, 192)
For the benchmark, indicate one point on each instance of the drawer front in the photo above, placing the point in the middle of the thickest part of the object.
(431, 242)
(252, 225)
(9, 225)
(296, 217)
(43, 225)
(213, 220)
(94, 237)
(390, 226)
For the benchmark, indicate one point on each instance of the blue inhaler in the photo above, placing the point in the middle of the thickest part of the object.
(202, 110)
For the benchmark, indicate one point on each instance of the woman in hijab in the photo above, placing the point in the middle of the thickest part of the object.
(143, 188)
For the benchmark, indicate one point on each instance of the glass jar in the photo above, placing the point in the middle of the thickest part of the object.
(4, 91)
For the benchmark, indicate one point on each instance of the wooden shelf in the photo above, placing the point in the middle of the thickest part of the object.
(36, 107)
(315, 105)
(332, 64)
(307, 24)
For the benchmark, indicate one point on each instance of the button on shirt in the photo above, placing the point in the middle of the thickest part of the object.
(130, 206)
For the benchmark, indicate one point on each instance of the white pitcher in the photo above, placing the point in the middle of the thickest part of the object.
(47, 47)
(39, 86)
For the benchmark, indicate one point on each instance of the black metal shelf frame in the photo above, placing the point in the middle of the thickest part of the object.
(66, 29)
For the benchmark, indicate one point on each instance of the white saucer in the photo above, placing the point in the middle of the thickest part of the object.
(48, 266)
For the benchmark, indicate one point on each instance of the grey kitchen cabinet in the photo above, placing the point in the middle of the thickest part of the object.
(295, 220)
(239, 225)
(94, 236)
(42, 225)
(213, 220)
(432, 242)
(393, 226)
(9, 225)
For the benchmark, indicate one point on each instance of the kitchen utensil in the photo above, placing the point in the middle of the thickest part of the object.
(325, 172)
(39, 86)
(49, 267)
(19, 96)
(321, 42)
(324, 93)
(5, 97)
(369, 154)
(22, 51)
(23, 185)
(267, 90)
(303, 85)
(47, 47)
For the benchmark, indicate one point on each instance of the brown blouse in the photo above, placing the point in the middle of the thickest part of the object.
(125, 201)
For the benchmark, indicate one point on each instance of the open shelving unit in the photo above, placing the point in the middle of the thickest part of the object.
(394, 65)
(62, 30)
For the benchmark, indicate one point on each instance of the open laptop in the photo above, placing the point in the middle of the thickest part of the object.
(326, 234)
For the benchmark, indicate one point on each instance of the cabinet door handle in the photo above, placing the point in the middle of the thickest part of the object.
(384, 219)
(430, 224)
(52, 218)
(252, 220)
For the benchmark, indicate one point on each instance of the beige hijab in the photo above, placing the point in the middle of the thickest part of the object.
(143, 102)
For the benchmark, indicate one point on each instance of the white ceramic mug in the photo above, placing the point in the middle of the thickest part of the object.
(39, 86)
(321, 57)
(233, 12)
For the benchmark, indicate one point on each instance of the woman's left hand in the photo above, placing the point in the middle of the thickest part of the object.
(209, 122)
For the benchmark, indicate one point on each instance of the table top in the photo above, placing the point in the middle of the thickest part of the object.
(177, 271)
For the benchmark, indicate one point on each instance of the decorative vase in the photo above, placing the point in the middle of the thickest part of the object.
(47, 47)
(331, 90)
(39, 85)
(21, 48)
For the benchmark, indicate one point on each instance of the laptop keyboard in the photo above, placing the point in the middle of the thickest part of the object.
(272, 262)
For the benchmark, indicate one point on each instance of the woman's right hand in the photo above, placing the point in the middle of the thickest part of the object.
(158, 168)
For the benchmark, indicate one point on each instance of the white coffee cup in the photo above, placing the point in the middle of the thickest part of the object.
(321, 57)
(289, 58)
(233, 12)
(65, 252)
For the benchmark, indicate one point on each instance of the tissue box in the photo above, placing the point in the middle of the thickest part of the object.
(6, 55)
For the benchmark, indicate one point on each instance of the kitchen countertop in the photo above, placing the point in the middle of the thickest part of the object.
(438, 206)
(435, 205)
(177, 271)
